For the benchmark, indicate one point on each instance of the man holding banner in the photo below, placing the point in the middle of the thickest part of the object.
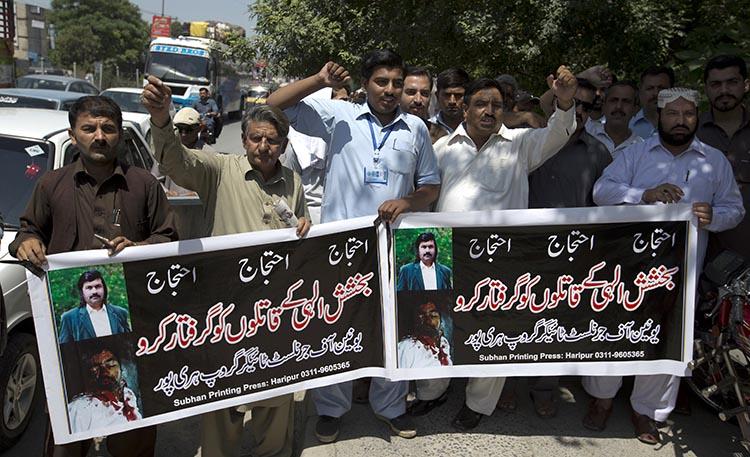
(240, 194)
(673, 166)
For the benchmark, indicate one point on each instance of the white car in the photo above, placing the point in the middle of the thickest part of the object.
(33, 141)
(129, 101)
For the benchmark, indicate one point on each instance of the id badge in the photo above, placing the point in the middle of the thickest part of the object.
(376, 175)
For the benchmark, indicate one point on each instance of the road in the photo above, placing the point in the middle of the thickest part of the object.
(230, 140)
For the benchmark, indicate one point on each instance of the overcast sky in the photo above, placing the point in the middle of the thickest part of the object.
(232, 11)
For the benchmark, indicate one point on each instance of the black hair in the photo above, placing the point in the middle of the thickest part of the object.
(723, 61)
(623, 83)
(88, 276)
(381, 58)
(659, 70)
(96, 106)
(422, 238)
(452, 77)
(481, 84)
(418, 71)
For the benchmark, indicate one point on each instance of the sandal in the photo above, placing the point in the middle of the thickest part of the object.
(596, 417)
(544, 404)
(507, 403)
(645, 429)
(422, 407)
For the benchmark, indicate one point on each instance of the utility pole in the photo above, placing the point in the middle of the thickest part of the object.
(162, 8)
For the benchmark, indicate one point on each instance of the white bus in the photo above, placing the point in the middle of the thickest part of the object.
(186, 64)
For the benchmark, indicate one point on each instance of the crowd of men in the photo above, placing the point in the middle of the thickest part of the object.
(386, 156)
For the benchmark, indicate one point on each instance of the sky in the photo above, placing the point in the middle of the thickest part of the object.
(232, 11)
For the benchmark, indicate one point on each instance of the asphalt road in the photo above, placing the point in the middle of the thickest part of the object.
(230, 140)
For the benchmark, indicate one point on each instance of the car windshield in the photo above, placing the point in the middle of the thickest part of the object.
(178, 68)
(34, 83)
(24, 162)
(258, 93)
(127, 101)
(15, 101)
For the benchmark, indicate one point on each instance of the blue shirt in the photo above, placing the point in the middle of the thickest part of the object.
(407, 155)
(642, 126)
(702, 172)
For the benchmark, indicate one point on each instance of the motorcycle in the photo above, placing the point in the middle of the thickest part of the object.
(721, 364)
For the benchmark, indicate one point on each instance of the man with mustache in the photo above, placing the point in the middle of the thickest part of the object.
(673, 166)
(426, 346)
(415, 99)
(653, 79)
(94, 316)
(425, 273)
(485, 166)
(451, 86)
(380, 161)
(726, 126)
(74, 207)
(618, 108)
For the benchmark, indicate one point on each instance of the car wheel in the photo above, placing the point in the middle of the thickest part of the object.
(20, 378)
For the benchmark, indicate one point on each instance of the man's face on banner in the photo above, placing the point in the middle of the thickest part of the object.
(427, 252)
(105, 369)
(429, 317)
(93, 293)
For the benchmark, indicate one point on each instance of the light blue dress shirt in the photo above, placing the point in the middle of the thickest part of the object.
(407, 154)
(702, 172)
(641, 126)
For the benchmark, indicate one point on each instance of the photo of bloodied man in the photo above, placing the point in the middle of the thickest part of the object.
(425, 327)
(102, 388)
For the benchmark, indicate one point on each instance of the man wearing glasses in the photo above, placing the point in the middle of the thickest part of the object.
(567, 179)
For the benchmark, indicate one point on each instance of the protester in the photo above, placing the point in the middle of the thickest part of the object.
(485, 166)
(240, 194)
(96, 198)
(653, 80)
(380, 161)
(673, 166)
(415, 99)
(515, 116)
(451, 86)
(726, 126)
(619, 107)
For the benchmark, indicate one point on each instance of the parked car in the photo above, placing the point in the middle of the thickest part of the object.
(33, 141)
(129, 101)
(37, 98)
(54, 82)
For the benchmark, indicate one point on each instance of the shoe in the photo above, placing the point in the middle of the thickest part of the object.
(596, 417)
(466, 419)
(645, 429)
(402, 425)
(544, 404)
(422, 407)
(327, 429)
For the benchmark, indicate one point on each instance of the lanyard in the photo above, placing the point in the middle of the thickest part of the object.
(375, 145)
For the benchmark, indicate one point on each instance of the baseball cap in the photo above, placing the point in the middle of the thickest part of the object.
(187, 116)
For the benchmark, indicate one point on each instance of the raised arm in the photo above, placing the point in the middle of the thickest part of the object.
(331, 75)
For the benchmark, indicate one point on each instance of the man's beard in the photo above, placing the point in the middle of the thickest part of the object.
(724, 108)
(679, 139)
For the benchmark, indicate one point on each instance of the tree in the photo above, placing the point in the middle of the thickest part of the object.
(527, 38)
(98, 30)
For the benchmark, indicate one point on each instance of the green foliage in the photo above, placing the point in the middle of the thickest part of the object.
(403, 245)
(98, 30)
(64, 287)
(527, 38)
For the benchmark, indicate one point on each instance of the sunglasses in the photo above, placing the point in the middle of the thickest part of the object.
(585, 106)
(188, 128)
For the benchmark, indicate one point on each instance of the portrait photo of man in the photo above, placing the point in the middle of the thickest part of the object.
(425, 272)
(106, 399)
(94, 317)
(425, 345)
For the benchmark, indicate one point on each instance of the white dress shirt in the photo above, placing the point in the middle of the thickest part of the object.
(497, 175)
(100, 320)
(429, 276)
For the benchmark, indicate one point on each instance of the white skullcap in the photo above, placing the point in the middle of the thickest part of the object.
(670, 95)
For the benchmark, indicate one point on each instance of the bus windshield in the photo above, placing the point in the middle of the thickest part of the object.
(179, 68)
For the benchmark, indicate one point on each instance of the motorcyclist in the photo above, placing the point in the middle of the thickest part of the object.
(210, 114)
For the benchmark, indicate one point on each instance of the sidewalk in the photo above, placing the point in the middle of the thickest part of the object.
(520, 433)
